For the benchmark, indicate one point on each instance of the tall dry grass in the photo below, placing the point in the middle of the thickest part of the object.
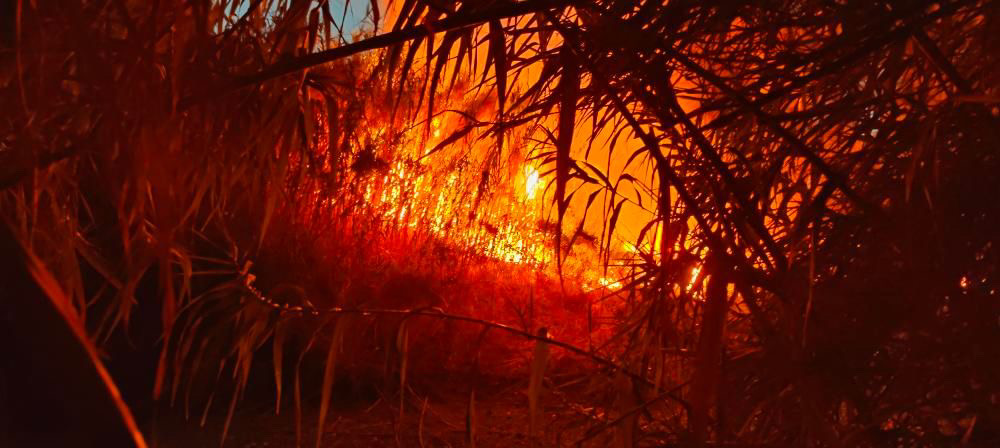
(814, 261)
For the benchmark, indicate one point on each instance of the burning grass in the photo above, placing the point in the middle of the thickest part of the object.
(750, 223)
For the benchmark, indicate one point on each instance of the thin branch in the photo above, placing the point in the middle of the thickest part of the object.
(853, 57)
(941, 62)
(457, 21)
(441, 314)
(672, 394)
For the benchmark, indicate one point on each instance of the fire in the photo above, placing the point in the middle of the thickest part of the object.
(414, 193)
(694, 277)
(533, 183)
(436, 126)
(412, 186)
(610, 283)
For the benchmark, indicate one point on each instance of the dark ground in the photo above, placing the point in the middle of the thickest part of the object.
(501, 420)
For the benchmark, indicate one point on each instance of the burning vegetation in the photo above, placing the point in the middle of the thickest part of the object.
(505, 223)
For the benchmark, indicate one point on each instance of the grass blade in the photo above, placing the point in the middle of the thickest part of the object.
(278, 351)
(328, 377)
(420, 426)
(470, 421)
(402, 347)
(539, 361)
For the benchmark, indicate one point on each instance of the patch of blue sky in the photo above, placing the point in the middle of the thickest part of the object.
(350, 16)
(354, 15)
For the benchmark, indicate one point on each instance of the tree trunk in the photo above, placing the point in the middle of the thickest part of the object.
(708, 363)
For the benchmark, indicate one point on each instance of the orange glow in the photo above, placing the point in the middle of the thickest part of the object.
(532, 183)
(694, 277)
